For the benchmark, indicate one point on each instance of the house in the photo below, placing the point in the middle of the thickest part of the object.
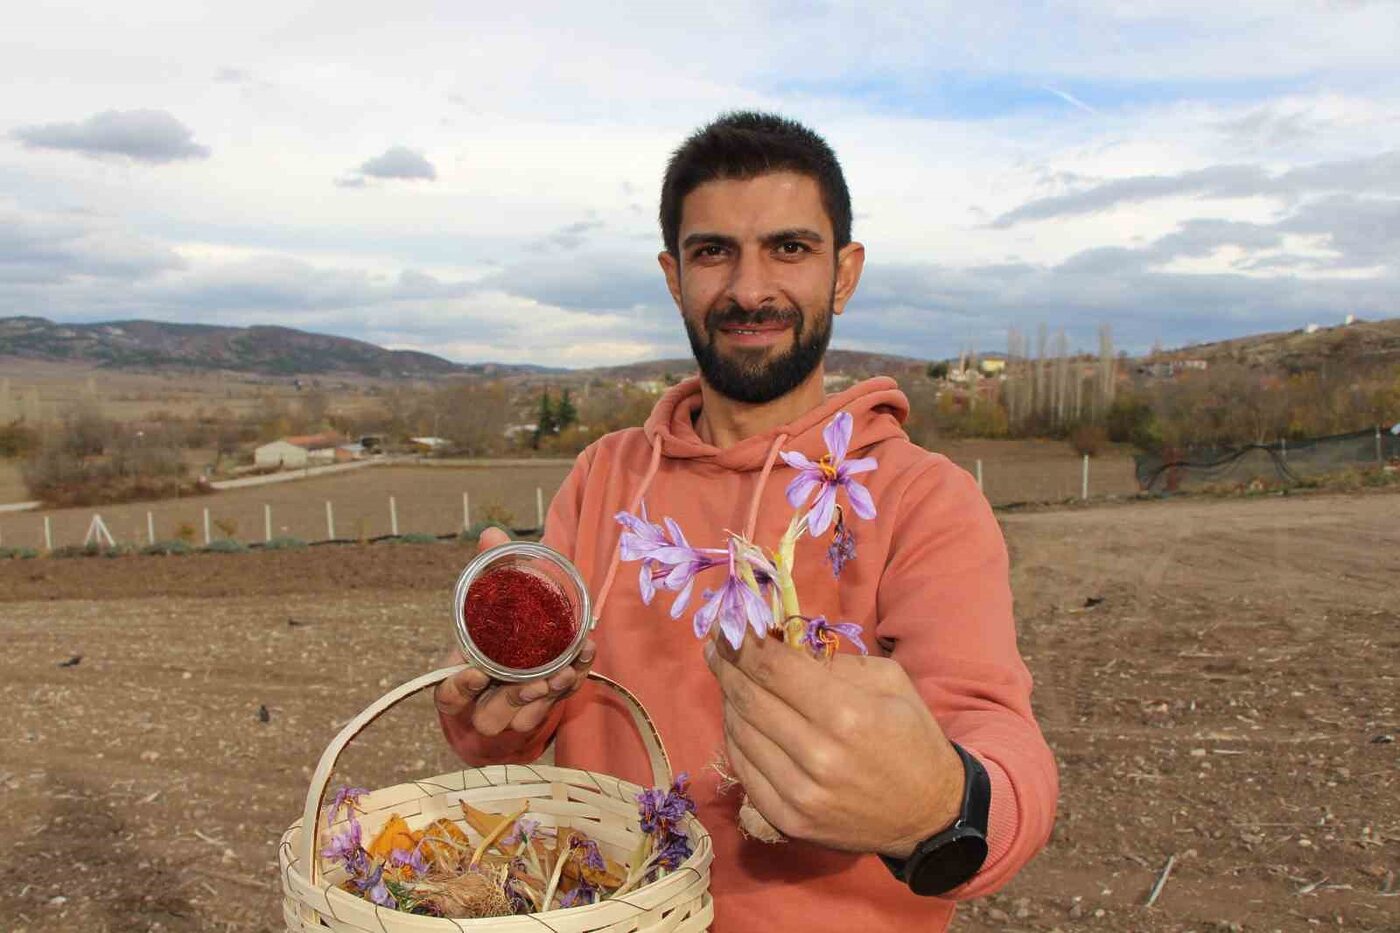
(427, 445)
(298, 451)
(348, 452)
(992, 366)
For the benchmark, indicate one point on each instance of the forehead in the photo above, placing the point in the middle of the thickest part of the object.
(754, 206)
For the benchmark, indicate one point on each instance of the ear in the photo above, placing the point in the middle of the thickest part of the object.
(849, 263)
(671, 268)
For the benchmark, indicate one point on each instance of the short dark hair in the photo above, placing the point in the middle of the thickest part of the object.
(745, 144)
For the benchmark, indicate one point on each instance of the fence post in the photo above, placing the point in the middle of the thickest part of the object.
(979, 474)
(1084, 484)
(267, 521)
(330, 521)
(393, 517)
(207, 536)
(539, 507)
(466, 512)
(1283, 447)
(48, 534)
(150, 528)
(1380, 455)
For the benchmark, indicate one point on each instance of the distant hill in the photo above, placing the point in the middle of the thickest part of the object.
(855, 363)
(278, 351)
(1363, 343)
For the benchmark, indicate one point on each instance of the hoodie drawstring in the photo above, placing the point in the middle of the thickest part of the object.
(762, 482)
(650, 474)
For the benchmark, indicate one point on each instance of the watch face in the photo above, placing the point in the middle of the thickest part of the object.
(953, 863)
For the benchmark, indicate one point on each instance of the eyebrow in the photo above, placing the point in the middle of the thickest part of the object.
(768, 239)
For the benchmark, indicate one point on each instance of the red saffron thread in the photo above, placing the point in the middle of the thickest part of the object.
(518, 619)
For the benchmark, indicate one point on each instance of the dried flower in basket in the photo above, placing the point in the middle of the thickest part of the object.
(758, 593)
(518, 866)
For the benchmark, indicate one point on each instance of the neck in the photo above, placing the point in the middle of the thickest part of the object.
(724, 422)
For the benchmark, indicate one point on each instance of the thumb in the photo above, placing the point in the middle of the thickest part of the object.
(492, 537)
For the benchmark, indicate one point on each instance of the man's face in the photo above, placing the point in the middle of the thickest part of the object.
(757, 281)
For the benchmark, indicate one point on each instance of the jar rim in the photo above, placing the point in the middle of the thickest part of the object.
(477, 567)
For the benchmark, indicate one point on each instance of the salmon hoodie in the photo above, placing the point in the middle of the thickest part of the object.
(929, 585)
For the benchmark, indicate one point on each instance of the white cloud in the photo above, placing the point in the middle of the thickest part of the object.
(545, 132)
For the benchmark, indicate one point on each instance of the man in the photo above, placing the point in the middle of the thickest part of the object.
(916, 771)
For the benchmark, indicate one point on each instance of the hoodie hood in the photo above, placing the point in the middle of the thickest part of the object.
(877, 406)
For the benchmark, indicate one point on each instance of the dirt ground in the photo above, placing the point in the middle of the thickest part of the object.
(1229, 698)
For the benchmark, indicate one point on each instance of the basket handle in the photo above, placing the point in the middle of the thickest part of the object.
(661, 773)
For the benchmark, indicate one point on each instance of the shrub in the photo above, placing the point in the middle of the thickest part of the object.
(224, 546)
(18, 553)
(168, 548)
(285, 544)
(496, 514)
(416, 538)
(185, 532)
(91, 549)
(1088, 439)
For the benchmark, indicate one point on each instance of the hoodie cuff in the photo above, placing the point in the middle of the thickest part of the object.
(1004, 815)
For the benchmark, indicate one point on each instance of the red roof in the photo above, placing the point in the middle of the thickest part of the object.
(315, 441)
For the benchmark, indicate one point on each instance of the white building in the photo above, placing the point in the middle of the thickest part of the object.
(280, 454)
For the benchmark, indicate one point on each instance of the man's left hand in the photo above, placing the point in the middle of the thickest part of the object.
(844, 753)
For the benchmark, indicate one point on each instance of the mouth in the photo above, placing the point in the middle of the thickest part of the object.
(755, 335)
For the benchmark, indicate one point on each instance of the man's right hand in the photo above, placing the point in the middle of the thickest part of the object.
(491, 708)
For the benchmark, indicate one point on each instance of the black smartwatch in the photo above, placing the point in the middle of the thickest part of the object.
(945, 860)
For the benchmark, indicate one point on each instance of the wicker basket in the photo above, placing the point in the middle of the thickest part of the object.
(601, 806)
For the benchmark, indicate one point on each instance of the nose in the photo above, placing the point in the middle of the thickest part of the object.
(751, 285)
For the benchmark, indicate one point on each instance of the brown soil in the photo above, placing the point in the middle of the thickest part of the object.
(1227, 702)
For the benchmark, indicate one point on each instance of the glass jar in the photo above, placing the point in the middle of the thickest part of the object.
(551, 571)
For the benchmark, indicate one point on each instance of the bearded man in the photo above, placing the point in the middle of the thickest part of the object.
(905, 780)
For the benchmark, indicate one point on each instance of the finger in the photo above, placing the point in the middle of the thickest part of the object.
(776, 764)
(760, 792)
(458, 693)
(492, 537)
(755, 703)
(793, 677)
(496, 708)
(532, 715)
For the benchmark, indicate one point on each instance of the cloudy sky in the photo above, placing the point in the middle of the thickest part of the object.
(483, 185)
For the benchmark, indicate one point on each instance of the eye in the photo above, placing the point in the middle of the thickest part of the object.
(793, 248)
(708, 251)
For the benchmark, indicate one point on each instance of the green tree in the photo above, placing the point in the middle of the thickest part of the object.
(546, 422)
(565, 414)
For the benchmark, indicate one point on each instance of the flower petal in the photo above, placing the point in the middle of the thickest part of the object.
(677, 536)
(760, 617)
(800, 489)
(837, 435)
(648, 586)
(852, 467)
(796, 460)
(705, 616)
(819, 519)
(861, 502)
(682, 599)
(851, 631)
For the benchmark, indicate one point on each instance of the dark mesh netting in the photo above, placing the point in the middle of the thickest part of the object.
(1281, 462)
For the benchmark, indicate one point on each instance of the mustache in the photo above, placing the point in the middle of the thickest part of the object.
(734, 315)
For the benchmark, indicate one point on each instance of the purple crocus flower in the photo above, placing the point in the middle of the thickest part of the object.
(347, 797)
(400, 858)
(663, 811)
(829, 473)
(735, 605)
(670, 564)
(842, 549)
(344, 844)
(585, 893)
(374, 889)
(821, 636)
(592, 857)
(523, 831)
(673, 851)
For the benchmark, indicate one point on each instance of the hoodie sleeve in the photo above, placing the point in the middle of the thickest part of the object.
(560, 532)
(945, 604)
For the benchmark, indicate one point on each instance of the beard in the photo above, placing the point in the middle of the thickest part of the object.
(749, 376)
